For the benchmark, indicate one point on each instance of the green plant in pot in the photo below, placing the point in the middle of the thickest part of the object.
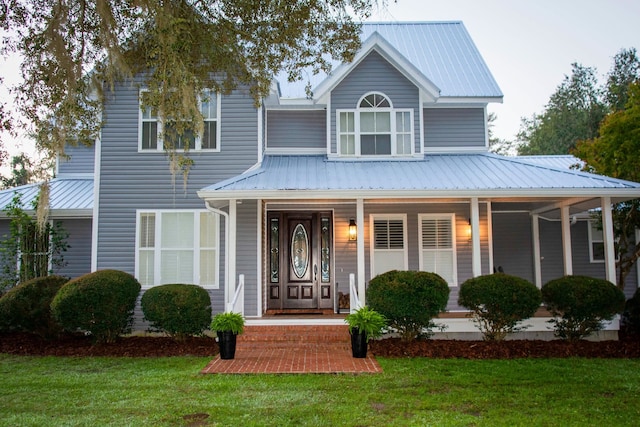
(364, 324)
(228, 326)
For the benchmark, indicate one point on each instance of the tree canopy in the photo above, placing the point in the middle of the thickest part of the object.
(74, 49)
(573, 113)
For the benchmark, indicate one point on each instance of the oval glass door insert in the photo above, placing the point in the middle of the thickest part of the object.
(300, 251)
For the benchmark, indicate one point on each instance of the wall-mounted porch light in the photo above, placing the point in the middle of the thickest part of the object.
(469, 230)
(353, 230)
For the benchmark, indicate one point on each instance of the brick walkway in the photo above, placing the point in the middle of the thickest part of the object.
(293, 350)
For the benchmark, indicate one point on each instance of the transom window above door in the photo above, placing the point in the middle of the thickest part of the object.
(375, 128)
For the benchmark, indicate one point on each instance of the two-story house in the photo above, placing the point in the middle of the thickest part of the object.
(385, 166)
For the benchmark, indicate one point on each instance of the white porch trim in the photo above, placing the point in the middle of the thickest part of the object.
(360, 251)
(476, 257)
(566, 240)
(609, 251)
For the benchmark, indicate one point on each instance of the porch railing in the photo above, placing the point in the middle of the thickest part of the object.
(237, 303)
(354, 301)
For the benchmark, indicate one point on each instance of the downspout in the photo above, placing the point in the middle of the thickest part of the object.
(226, 248)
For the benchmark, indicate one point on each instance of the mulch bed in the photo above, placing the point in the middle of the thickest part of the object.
(137, 346)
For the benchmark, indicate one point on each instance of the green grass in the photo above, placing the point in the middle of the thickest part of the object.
(55, 391)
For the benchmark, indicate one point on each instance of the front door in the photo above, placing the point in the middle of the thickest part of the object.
(299, 260)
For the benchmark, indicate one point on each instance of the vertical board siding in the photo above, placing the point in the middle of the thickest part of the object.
(80, 161)
(78, 255)
(513, 244)
(375, 73)
(297, 129)
(454, 127)
(131, 180)
(552, 262)
(247, 253)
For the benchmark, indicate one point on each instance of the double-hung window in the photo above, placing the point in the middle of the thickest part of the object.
(438, 245)
(596, 242)
(177, 246)
(388, 243)
(375, 128)
(154, 129)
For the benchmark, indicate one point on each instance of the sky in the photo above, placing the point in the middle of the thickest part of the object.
(529, 45)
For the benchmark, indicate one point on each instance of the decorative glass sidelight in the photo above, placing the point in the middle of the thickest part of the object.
(299, 251)
(274, 250)
(324, 250)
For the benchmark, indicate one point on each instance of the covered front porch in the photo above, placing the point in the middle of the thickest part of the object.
(460, 228)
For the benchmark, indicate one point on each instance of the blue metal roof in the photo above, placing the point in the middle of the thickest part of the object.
(442, 175)
(442, 51)
(66, 195)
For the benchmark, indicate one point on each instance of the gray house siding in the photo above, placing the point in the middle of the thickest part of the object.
(454, 127)
(513, 244)
(374, 73)
(297, 129)
(131, 180)
(78, 255)
(247, 253)
(81, 160)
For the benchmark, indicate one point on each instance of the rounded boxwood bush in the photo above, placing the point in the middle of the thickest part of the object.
(100, 303)
(499, 303)
(409, 300)
(580, 304)
(27, 307)
(179, 310)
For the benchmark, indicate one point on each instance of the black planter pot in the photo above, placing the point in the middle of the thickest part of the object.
(358, 343)
(227, 343)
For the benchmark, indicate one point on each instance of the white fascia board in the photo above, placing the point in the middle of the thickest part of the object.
(386, 50)
(295, 107)
(413, 194)
(465, 101)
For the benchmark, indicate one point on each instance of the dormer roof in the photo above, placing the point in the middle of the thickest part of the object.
(439, 57)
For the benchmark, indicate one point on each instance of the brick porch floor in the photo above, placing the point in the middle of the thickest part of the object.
(287, 349)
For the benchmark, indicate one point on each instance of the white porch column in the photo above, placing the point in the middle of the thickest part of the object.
(360, 250)
(607, 233)
(476, 256)
(566, 240)
(230, 286)
(490, 235)
(537, 261)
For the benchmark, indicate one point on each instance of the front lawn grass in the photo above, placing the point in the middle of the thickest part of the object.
(54, 391)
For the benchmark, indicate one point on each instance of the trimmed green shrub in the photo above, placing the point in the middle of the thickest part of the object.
(631, 315)
(27, 307)
(178, 310)
(100, 303)
(581, 304)
(409, 300)
(499, 303)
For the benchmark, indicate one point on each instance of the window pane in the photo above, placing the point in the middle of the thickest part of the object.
(176, 266)
(367, 122)
(177, 230)
(209, 141)
(149, 135)
(209, 105)
(375, 144)
(383, 122)
(207, 268)
(388, 234)
(387, 260)
(596, 234)
(147, 230)
(208, 232)
(146, 267)
(402, 122)
(347, 144)
(598, 251)
(347, 122)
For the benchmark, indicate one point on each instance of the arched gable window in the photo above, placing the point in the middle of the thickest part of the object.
(375, 128)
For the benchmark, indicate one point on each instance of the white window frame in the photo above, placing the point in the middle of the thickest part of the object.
(157, 248)
(357, 133)
(590, 228)
(198, 141)
(372, 249)
(453, 250)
